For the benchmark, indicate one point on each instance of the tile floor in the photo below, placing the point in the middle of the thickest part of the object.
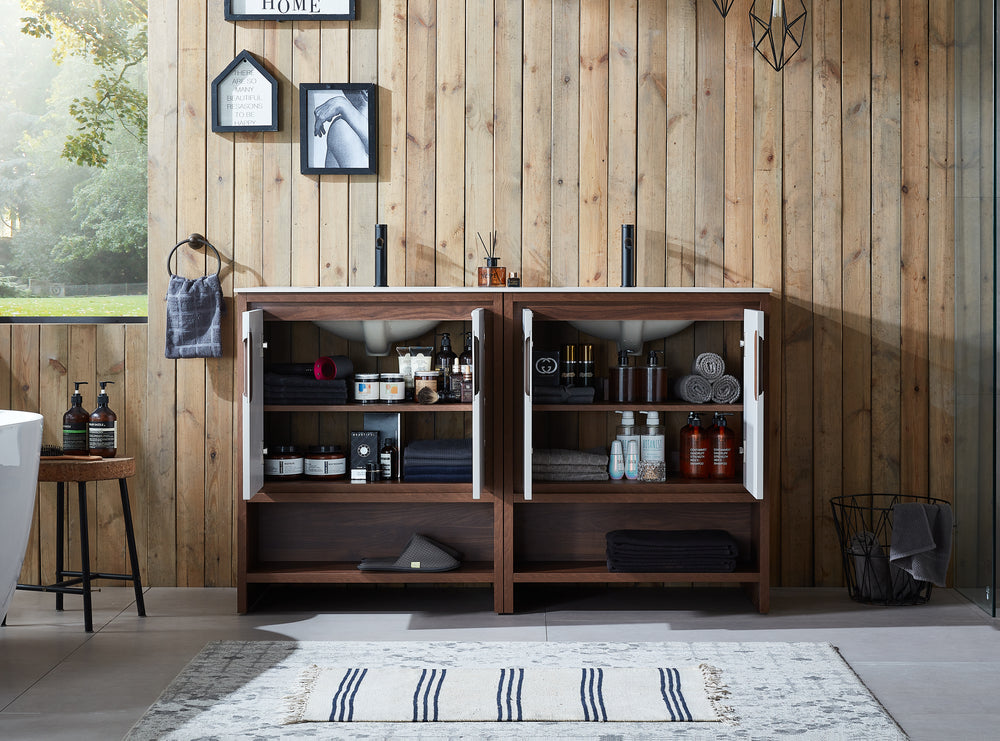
(935, 667)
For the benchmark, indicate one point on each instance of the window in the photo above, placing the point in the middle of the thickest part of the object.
(73, 159)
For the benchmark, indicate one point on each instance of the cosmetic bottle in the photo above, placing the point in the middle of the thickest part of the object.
(626, 431)
(466, 357)
(567, 368)
(585, 367)
(74, 430)
(632, 461)
(695, 449)
(623, 379)
(652, 464)
(616, 463)
(443, 360)
(455, 380)
(493, 275)
(723, 439)
(102, 428)
(468, 390)
(652, 379)
(389, 460)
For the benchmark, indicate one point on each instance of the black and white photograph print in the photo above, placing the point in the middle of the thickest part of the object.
(338, 124)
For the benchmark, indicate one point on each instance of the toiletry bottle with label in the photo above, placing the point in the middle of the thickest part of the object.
(632, 460)
(388, 458)
(695, 449)
(74, 430)
(616, 462)
(626, 431)
(102, 428)
(585, 367)
(443, 361)
(723, 439)
(651, 438)
(567, 368)
(466, 357)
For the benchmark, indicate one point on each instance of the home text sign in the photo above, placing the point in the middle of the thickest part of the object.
(245, 97)
(289, 10)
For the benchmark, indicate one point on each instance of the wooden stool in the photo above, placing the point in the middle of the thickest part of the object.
(105, 469)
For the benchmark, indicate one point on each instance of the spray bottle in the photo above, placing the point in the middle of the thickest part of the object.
(74, 430)
(695, 449)
(103, 427)
(723, 440)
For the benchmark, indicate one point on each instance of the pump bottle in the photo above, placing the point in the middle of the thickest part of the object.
(466, 357)
(695, 449)
(443, 361)
(651, 440)
(622, 384)
(74, 430)
(723, 439)
(103, 426)
(626, 431)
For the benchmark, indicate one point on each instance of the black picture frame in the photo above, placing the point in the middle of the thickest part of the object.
(351, 113)
(289, 10)
(258, 107)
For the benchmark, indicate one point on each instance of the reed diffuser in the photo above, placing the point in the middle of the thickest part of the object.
(493, 275)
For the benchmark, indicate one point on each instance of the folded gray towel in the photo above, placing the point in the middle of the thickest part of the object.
(921, 540)
(194, 317)
(726, 390)
(569, 475)
(439, 450)
(556, 469)
(694, 389)
(555, 456)
(710, 365)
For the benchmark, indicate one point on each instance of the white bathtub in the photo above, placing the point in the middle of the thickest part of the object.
(20, 446)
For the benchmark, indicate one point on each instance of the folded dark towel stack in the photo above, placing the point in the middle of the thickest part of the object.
(564, 394)
(671, 551)
(298, 389)
(439, 461)
(569, 465)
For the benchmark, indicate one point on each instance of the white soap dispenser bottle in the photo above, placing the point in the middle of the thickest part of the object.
(626, 431)
(651, 439)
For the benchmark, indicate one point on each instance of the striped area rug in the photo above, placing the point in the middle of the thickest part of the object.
(436, 693)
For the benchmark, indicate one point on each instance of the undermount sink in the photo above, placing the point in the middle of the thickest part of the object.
(378, 334)
(630, 334)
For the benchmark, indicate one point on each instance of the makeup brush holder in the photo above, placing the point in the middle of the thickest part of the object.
(493, 275)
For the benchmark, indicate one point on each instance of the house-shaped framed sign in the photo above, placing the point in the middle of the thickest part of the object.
(245, 97)
(289, 10)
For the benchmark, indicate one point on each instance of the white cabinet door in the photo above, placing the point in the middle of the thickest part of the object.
(478, 401)
(527, 322)
(753, 402)
(253, 402)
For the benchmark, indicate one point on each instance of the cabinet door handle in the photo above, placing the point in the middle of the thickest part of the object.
(756, 365)
(476, 364)
(527, 366)
(247, 367)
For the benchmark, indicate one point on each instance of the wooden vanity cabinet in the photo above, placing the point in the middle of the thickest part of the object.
(512, 530)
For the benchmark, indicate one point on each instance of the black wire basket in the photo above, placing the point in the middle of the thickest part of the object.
(864, 530)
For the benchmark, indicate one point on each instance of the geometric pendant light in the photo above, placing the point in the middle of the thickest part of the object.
(724, 6)
(776, 34)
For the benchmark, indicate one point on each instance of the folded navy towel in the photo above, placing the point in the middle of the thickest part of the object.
(672, 540)
(291, 369)
(439, 450)
(194, 317)
(277, 380)
(564, 394)
(446, 470)
(713, 565)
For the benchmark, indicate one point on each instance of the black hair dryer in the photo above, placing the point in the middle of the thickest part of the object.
(381, 257)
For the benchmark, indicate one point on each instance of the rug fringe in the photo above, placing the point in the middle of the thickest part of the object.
(717, 692)
(297, 702)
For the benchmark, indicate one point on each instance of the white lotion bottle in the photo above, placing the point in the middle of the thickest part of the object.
(626, 431)
(651, 440)
(616, 465)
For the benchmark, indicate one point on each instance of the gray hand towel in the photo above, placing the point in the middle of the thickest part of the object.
(555, 456)
(710, 365)
(194, 317)
(921, 540)
(726, 390)
(694, 389)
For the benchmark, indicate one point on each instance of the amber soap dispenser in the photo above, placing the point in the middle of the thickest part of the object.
(75, 421)
(103, 426)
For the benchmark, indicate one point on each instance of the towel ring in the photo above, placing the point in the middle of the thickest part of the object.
(197, 242)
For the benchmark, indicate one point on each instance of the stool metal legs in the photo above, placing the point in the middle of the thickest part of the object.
(88, 615)
(132, 554)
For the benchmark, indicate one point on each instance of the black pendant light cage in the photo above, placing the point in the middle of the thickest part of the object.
(777, 37)
(724, 6)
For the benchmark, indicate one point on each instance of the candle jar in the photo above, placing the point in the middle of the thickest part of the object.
(493, 275)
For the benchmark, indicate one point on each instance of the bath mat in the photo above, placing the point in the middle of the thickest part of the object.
(533, 693)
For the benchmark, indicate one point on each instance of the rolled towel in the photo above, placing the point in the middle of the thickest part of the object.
(552, 457)
(709, 365)
(726, 390)
(694, 389)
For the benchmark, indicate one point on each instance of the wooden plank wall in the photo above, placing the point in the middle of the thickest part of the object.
(554, 122)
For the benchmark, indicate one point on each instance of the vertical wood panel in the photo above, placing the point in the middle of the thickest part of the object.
(565, 215)
(279, 159)
(827, 289)
(82, 365)
(623, 132)
(107, 525)
(420, 142)
(135, 407)
(305, 193)
(537, 133)
(507, 112)
(654, 139)
(479, 174)
(334, 212)
(886, 237)
(364, 188)
(54, 389)
(856, 269)
(451, 245)
(913, 264)
(681, 141)
(593, 243)
(392, 132)
(746, 162)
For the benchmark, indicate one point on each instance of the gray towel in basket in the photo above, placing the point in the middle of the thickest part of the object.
(194, 317)
(921, 540)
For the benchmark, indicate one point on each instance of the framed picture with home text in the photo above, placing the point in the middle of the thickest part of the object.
(338, 125)
(289, 10)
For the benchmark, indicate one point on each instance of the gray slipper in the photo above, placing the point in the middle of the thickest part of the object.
(421, 554)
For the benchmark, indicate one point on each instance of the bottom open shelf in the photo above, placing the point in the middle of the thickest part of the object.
(347, 572)
(568, 572)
